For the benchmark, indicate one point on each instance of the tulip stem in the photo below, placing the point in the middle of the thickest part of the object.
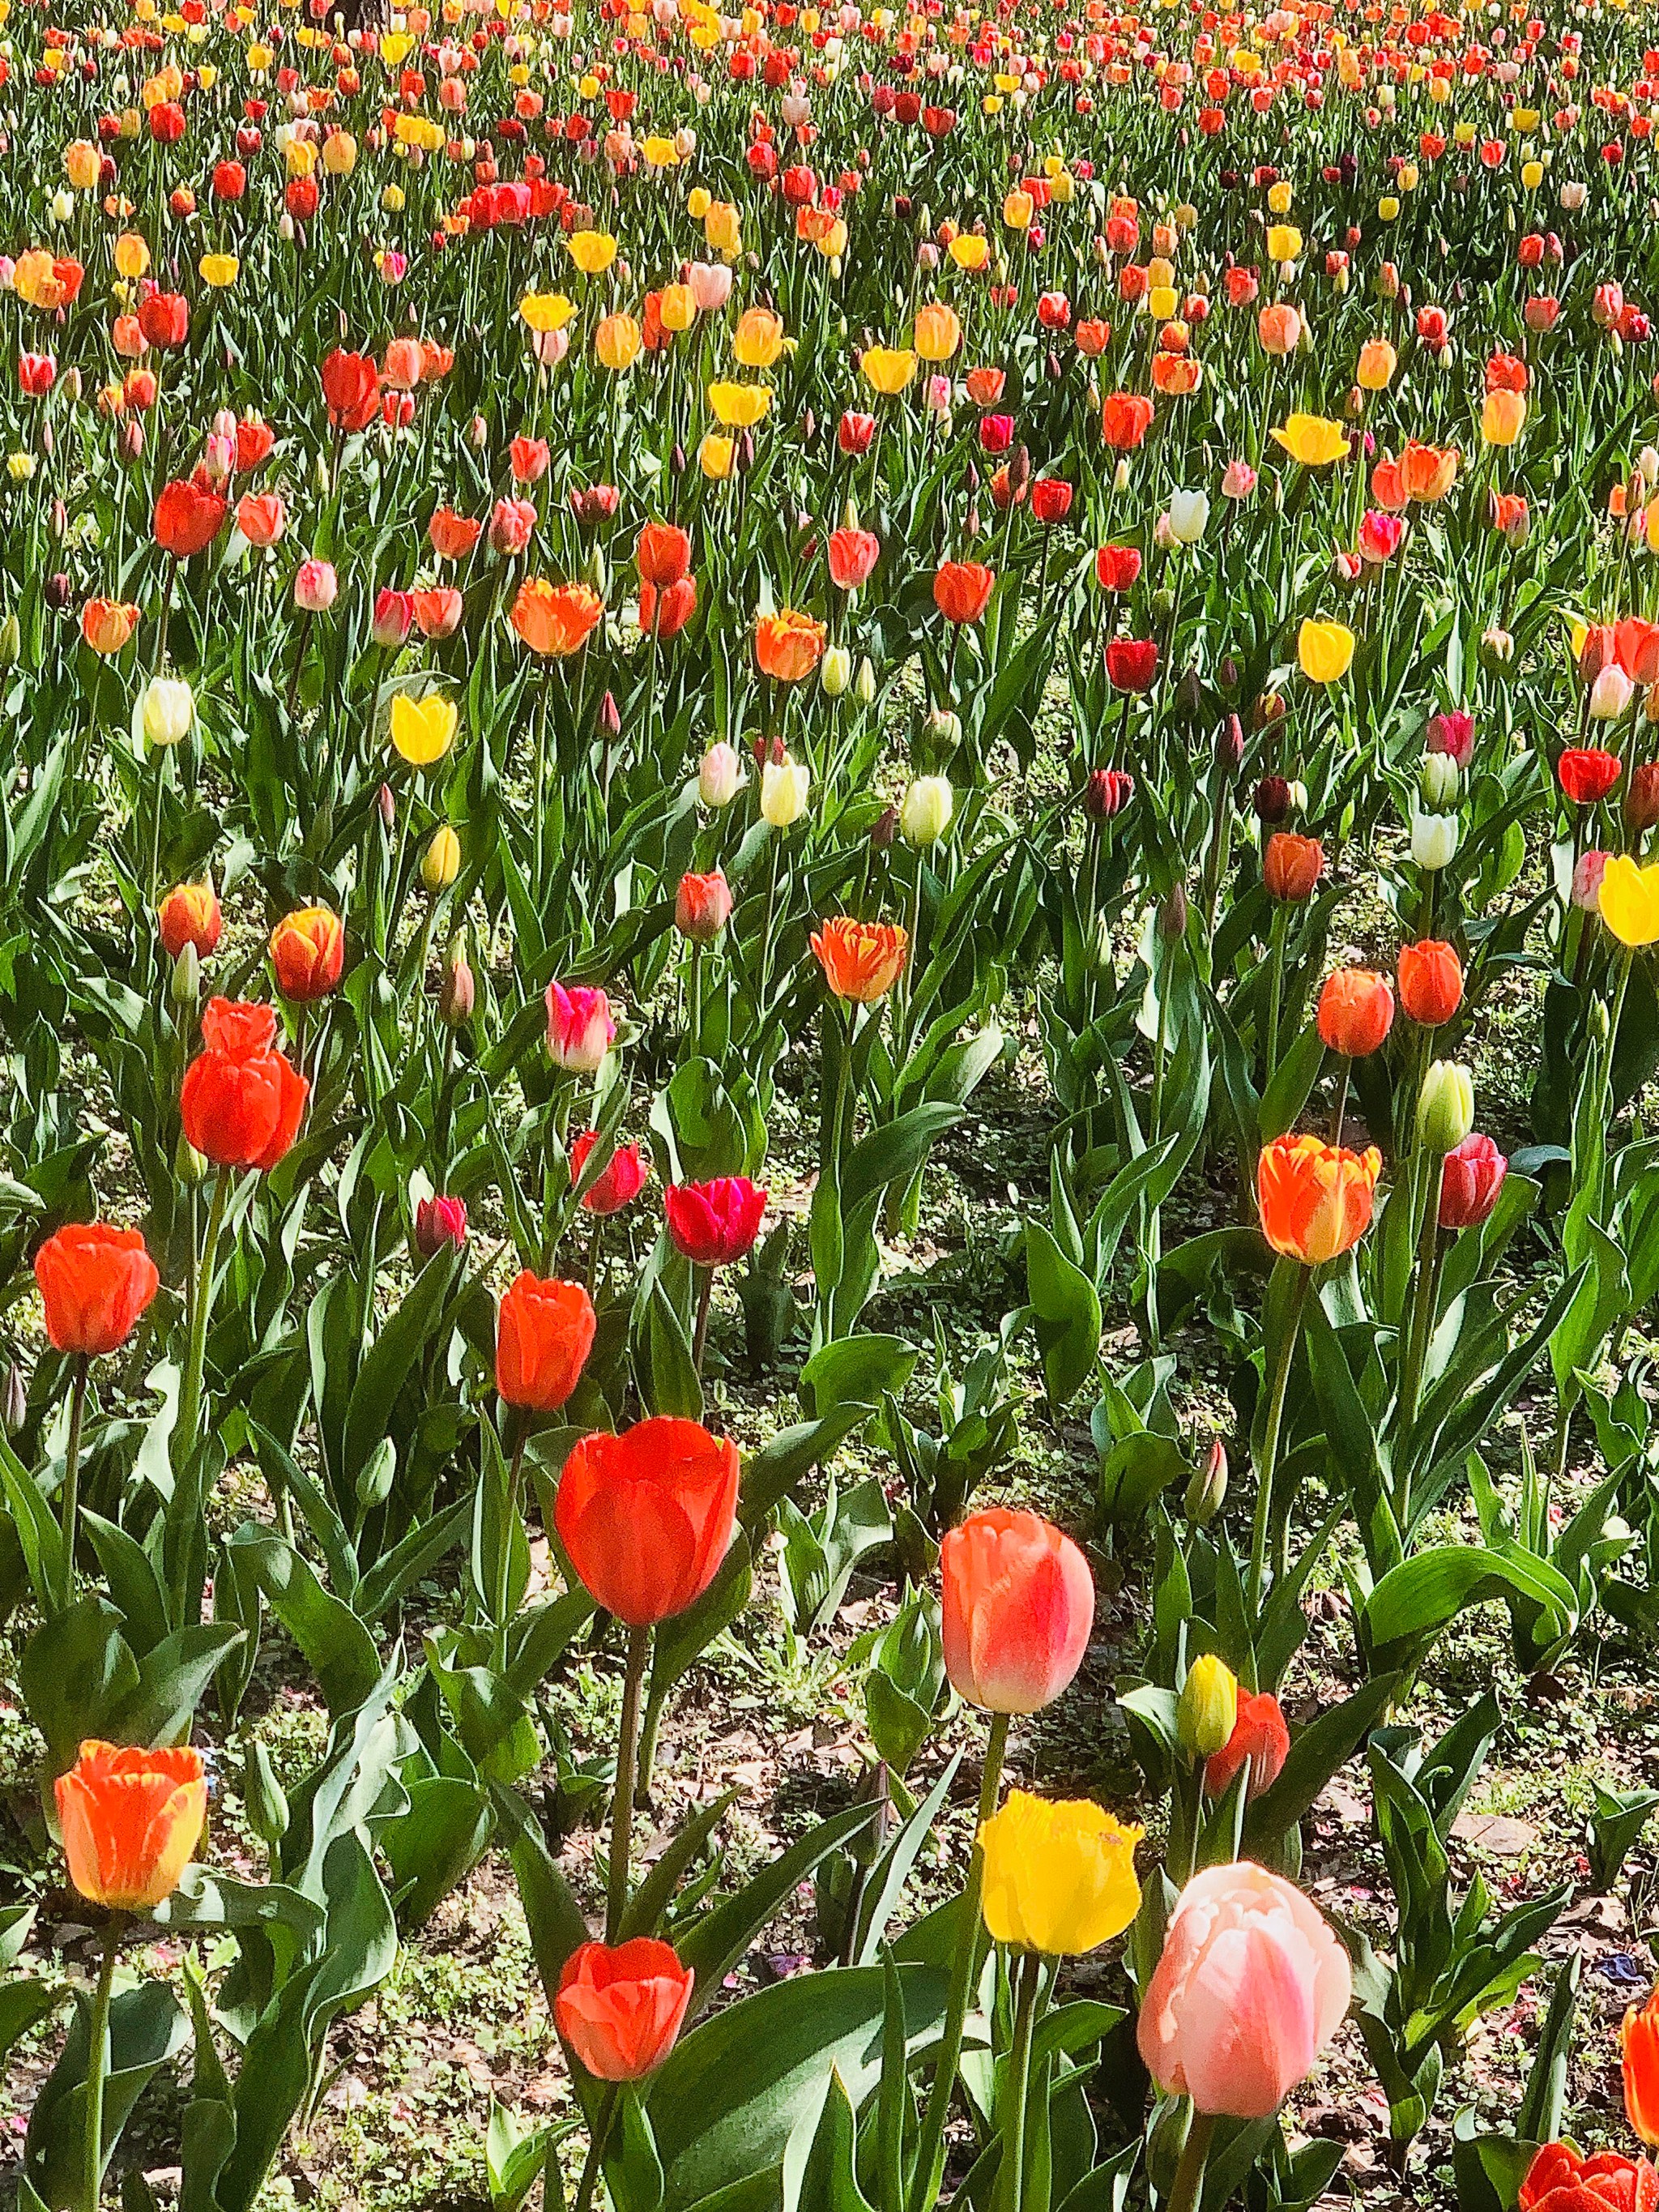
(1339, 1112)
(1419, 1328)
(621, 1813)
(1188, 2183)
(928, 2171)
(98, 2067)
(700, 1335)
(201, 1307)
(72, 1499)
(597, 2135)
(1264, 1493)
(1027, 1977)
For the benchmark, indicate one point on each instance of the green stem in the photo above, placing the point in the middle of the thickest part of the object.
(1028, 1981)
(929, 2170)
(1339, 1112)
(1420, 1324)
(92, 2169)
(598, 2134)
(1270, 1442)
(700, 1337)
(190, 1400)
(72, 1499)
(1276, 989)
(1189, 2174)
(621, 1813)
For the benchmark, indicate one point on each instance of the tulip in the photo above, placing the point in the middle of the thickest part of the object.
(1292, 866)
(861, 960)
(1189, 515)
(315, 586)
(168, 711)
(129, 1821)
(1313, 440)
(1434, 840)
(1315, 1200)
(422, 730)
(1018, 1610)
(555, 620)
(1324, 651)
(1445, 1106)
(714, 1224)
(1609, 694)
(619, 1182)
(580, 1028)
(702, 906)
(544, 1334)
(720, 774)
(1587, 773)
(1562, 2179)
(1638, 2043)
(241, 1102)
(1060, 1879)
(441, 863)
(620, 2009)
(788, 646)
(1356, 1012)
(1258, 1739)
(307, 950)
(925, 810)
(440, 1221)
(1471, 1176)
(1250, 1987)
(836, 671)
(784, 786)
(1503, 415)
(1431, 978)
(646, 1516)
(1208, 1708)
(1132, 664)
(1630, 901)
(190, 915)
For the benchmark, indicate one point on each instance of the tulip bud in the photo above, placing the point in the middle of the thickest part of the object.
(441, 863)
(186, 983)
(456, 992)
(11, 640)
(1207, 1709)
(1206, 1489)
(1434, 840)
(15, 1401)
(263, 1799)
(925, 814)
(385, 799)
(440, 1221)
(1445, 1106)
(884, 829)
(863, 684)
(1439, 779)
(943, 729)
(1229, 745)
(57, 592)
(1497, 646)
(719, 776)
(1172, 914)
(168, 710)
(189, 1168)
(835, 670)
(1599, 1021)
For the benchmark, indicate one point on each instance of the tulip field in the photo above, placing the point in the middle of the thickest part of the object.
(828, 1041)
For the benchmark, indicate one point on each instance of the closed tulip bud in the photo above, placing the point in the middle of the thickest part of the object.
(1439, 779)
(57, 590)
(441, 863)
(456, 992)
(1207, 1487)
(1271, 800)
(1229, 745)
(440, 1221)
(11, 640)
(1642, 796)
(1434, 840)
(1445, 1106)
(386, 800)
(1208, 1708)
(943, 730)
(189, 1168)
(58, 520)
(1172, 914)
(169, 708)
(835, 670)
(1106, 794)
(610, 715)
(15, 1401)
(1598, 1022)
(1497, 646)
(1189, 696)
(184, 985)
(925, 814)
(864, 683)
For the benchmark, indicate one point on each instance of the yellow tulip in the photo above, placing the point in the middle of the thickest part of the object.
(131, 255)
(739, 406)
(422, 730)
(758, 339)
(1313, 440)
(545, 311)
(218, 269)
(970, 251)
(1017, 210)
(81, 163)
(1629, 900)
(714, 457)
(698, 200)
(678, 307)
(618, 341)
(1503, 416)
(1058, 1878)
(1284, 241)
(592, 251)
(1377, 363)
(441, 863)
(887, 369)
(340, 154)
(937, 332)
(1324, 650)
(1278, 197)
(723, 228)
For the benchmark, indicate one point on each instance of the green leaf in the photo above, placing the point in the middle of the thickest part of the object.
(146, 2029)
(719, 1938)
(338, 1649)
(1066, 1306)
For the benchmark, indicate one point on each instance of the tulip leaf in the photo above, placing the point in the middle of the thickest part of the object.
(338, 1649)
(147, 2029)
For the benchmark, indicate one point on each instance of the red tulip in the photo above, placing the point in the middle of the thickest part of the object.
(1117, 567)
(543, 1334)
(187, 520)
(1471, 1176)
(713, 1223)
(619, 1183)
(94, 1283)
(1587, 773)
(1356, 1012)
(1259, 1739)
(351, 386)
(962, 590)
(621, 2008)
(853, 555)
(241, 1102)
(647, 1517)
(1132, 663)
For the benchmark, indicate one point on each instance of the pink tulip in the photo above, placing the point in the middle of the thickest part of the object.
(315, 586)
(1251, 1987)
(579, 1030)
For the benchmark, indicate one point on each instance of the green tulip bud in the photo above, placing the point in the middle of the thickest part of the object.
(1207, 1707)
(1445, 1107)
(835, 670)
(186, 985)
(1206, 1490)
(863, 684)
(11, 640)
(1599, 1021)
(1439, 779)
(188, 1167)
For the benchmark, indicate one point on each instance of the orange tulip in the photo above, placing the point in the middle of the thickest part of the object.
(1316, 1199)
(555, 619)
(129, 1821)
(106, 624)
(1017, 1611)
(620, 2009)
(1125, 419)
(190, 915)
(94, 1283)
(1427, 473)
(543, 1337)
(647, 1517)
(861, 960)
(1356, 1012)
(962, 590)
(788, 646)
(307, 950)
